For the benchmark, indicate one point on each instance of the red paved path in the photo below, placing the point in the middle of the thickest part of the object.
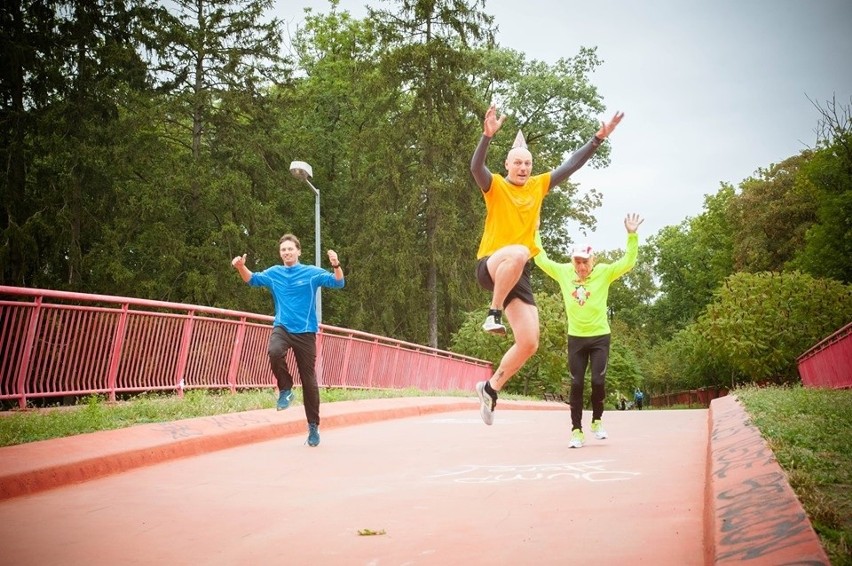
(443, 487)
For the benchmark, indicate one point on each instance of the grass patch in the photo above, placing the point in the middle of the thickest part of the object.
(94, 413)
(810, 432)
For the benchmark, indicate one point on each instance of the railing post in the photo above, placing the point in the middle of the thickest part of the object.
(27, 351)
(347, 353)
(394, 365)
(115, 355)
(183, 353)
(235, 355)
(371, 365)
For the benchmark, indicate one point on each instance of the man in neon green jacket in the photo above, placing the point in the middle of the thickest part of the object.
(585, 289)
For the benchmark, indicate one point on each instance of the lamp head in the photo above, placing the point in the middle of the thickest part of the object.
(301, 170)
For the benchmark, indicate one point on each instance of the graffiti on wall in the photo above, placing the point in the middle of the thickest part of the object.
(758, 517)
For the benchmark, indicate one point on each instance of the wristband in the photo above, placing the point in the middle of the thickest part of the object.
(335, 266)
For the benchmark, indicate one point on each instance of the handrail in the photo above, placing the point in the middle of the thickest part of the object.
(828, 363)
(57, 343)
(826, 342)
(94, 298)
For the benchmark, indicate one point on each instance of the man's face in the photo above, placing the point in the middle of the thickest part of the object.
(582, 266)
(289, 252)
(518, 166)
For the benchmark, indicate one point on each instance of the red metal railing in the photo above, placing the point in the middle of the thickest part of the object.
(828, 363)
(55, 343)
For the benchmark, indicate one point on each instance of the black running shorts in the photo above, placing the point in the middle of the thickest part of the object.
(522, 289)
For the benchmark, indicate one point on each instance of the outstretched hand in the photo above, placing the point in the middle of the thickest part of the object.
(632, 222)
(492, 123)
(607, 128)
(239, 261)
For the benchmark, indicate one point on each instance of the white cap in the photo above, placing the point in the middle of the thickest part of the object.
(583, 251)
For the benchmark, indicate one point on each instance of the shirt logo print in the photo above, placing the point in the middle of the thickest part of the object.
(581, 295)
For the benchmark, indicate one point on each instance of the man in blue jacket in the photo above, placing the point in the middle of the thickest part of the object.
(293, 287)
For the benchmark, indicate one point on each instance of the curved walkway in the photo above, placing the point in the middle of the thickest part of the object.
(406, 481)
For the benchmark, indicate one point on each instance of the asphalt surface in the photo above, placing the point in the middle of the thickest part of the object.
(393, 482)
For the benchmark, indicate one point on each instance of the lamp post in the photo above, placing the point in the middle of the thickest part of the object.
(304, 172)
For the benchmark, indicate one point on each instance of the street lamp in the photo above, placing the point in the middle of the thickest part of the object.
(304, 172)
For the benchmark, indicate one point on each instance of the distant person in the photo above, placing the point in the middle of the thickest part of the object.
(293, 287)
(513, 204)
(585, 291)
(638, 398)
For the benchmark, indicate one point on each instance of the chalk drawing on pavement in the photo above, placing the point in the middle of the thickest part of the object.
(474, 420)
(591, 471)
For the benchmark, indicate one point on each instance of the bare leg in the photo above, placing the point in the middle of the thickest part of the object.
(505, 267)
(523, 319)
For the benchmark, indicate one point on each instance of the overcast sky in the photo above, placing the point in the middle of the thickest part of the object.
(711, 91)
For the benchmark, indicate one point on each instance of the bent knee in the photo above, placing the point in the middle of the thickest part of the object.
(518, 254)
(515, 254)
(276, 352)
(528, 347)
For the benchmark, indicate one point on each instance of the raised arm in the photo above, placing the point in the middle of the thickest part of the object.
(628, 260)
(239, 264)
(480, 172)
(490, 125)
(542, 261)
(335, 264)
(579, 157)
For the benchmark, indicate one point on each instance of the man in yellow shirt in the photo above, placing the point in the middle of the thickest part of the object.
(513, 204)
(585, 291)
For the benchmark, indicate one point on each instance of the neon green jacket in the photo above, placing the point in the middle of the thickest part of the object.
(585, 303)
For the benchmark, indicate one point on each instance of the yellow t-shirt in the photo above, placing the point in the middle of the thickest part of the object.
(512, 213)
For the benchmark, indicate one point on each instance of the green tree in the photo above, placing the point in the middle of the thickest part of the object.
(203, 171)
(28, 43)
(209, 51)
(349, 115)
(760, 323)
(827, 251)
(686, 361)
(427, 56)
(770, 216)
(70, 69)
(337, 116)
(691, 261)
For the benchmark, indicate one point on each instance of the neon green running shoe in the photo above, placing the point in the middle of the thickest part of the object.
(598, 429)
(577, 438)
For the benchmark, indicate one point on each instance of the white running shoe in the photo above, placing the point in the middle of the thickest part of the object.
(492, 326)
(486, 404)
(598, 429)
(577, 438)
